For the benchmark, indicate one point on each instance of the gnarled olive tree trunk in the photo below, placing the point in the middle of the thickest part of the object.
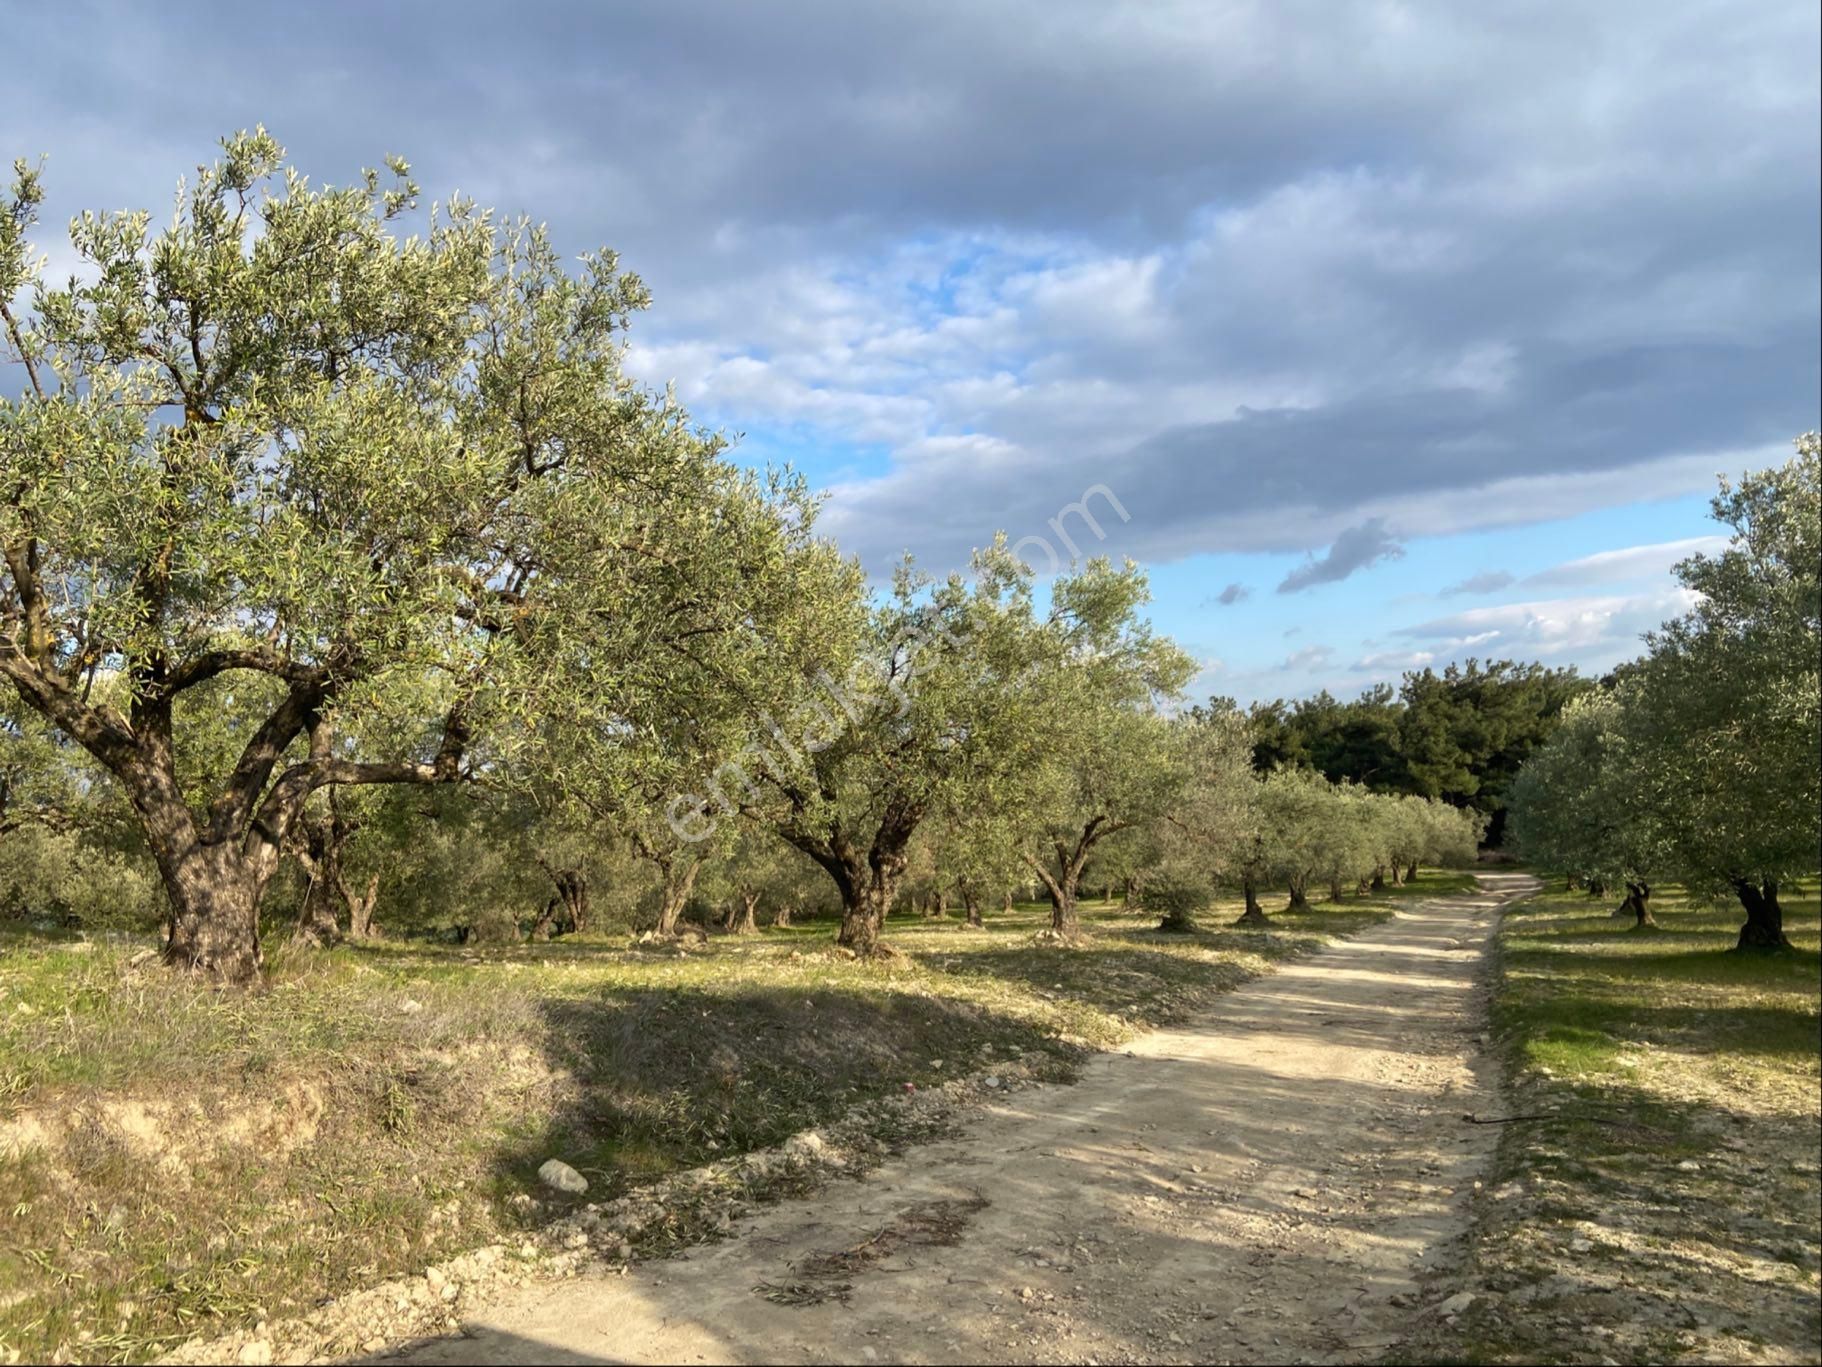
(360, 909)
(1062, 894)
(570, 909)
(1254, 915)
(1764, 928)
(868, 876)
(317, 926)
(679, 873)
(319, 848)
(971, 904)
(217, 858)
(743, 916)
(1061, 882)
(213, 929)
(1637, 904)
(1300, 900)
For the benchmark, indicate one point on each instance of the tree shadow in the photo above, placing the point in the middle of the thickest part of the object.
(674, 1076)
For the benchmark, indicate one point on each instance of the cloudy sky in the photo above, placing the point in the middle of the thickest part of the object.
(1397, 332)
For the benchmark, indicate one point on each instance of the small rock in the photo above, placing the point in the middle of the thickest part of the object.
(559, 1176)
(1307, 1193)
(408, 1007)
(259, 1351)
(808, 1144)
(1581, 1245)
(990, 1082)
(1689, 1165)
(1457, 1303)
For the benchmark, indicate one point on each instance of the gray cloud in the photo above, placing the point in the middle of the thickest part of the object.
(1232, 594)
(1261, 290)
(1487, 581)
(1355, 549)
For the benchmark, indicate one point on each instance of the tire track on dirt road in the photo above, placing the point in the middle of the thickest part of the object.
(1267, 1184)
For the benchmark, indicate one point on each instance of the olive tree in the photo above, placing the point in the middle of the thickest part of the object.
(1724, 713)
(1295, 838)
(1209, 834)
(948, 700)
(751, 866)
(1109, 760)
(382, 476)
(975, 850)
(1580, 805)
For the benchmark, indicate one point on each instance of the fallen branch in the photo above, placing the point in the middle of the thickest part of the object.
(1473, 1119)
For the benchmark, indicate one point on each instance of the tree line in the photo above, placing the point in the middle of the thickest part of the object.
(1460, 734)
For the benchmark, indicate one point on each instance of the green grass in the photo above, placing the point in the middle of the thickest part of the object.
(175, 1161)
(1671, 1194)
(1580, 990)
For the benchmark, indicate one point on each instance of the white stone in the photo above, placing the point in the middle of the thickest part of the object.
(559, 1176)
(809, 1144)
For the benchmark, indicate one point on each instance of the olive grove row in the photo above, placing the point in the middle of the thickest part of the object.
(343, 559)
(1700, 761)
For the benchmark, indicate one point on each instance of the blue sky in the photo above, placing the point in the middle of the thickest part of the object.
(1371, 302)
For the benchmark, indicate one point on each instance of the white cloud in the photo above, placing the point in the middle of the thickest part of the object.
(1554, 629)
(1389, 663)
(1308, 659)
(1629, 563)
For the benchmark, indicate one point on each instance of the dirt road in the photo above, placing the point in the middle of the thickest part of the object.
(1258, 1187)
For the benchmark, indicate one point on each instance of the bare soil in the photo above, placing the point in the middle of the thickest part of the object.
(1278, 1182)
